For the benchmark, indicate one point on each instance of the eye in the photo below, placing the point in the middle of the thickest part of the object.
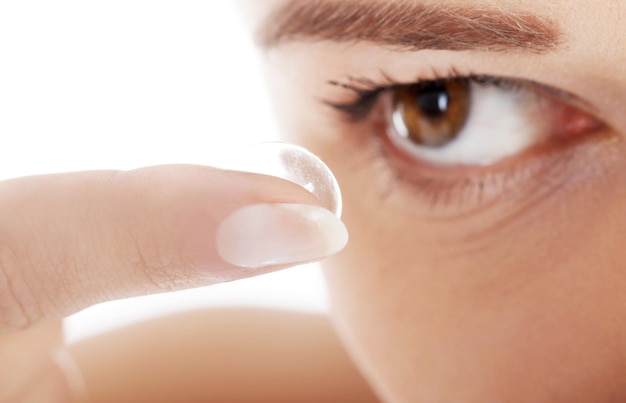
(433, 113)
(457, 144)
(469, 121)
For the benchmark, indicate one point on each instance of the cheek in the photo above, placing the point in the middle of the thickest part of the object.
(534, 310)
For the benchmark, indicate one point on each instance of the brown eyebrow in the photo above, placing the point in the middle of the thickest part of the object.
(408, 25)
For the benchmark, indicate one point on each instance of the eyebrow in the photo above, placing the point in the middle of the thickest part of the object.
(409, 25)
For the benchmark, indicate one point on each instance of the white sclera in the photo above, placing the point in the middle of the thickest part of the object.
(295, 164)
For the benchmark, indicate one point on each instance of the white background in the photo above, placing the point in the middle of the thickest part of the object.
(119, 84)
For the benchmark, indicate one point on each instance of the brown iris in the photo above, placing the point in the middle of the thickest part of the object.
(432, 113)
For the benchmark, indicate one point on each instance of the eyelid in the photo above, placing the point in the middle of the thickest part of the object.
(365, 92)
(571, 99)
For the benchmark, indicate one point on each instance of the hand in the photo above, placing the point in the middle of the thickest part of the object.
(68, 241)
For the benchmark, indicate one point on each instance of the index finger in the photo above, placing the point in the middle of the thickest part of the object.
(72, 240)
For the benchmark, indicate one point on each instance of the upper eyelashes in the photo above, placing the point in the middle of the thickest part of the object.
(474, 120)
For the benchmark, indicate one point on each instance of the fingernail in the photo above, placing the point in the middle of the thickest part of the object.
(277, 234)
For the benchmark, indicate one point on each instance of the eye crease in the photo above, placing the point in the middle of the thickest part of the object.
(466, 121)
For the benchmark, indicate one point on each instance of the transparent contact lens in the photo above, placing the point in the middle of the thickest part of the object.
(295, 164)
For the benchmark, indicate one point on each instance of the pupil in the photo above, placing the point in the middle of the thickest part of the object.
(433, 100)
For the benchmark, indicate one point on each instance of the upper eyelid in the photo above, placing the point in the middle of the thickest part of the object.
(572, 99)
(367, 91)
(358, 108)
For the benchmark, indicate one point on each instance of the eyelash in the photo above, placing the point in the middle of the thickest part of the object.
(367, 92)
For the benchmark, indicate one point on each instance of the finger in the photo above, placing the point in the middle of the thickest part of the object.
(51, 383)
(23, 355)
(71, 240)
(35, 366)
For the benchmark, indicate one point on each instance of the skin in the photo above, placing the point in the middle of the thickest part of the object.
(516, 298)
(521, 300)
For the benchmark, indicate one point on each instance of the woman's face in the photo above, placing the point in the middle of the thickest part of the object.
(486, 206)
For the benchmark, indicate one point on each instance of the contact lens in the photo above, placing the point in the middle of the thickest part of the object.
(295, 164)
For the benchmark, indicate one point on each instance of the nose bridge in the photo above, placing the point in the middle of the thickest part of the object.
(603, 84)
(612, 103)
(593, 57)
